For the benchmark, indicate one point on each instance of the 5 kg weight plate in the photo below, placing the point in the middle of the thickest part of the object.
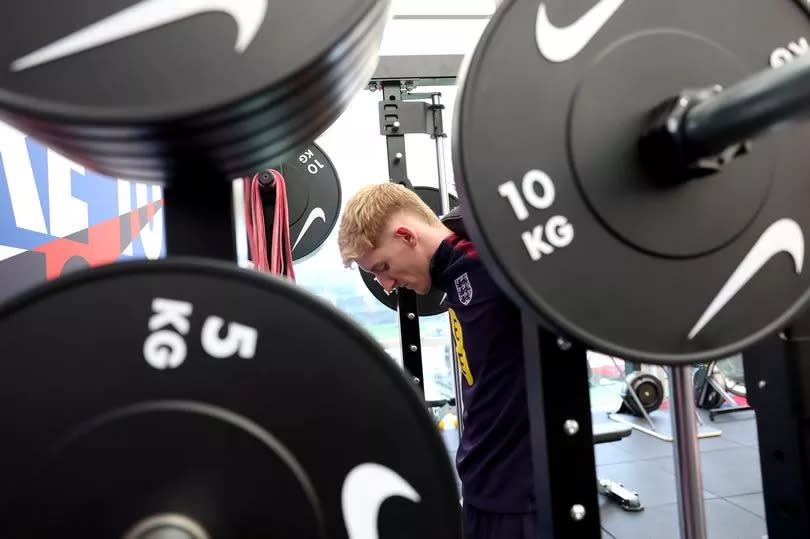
(196, 389)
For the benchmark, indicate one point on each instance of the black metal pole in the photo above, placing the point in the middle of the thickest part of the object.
(199, 218)
(410, 337)
(746, 109)
(561, 431)
(777, 381)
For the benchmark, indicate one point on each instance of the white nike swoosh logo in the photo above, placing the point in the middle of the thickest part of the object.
(365, 489)
(147, 15)
(317, 213)
(562, 44)
(784, 235)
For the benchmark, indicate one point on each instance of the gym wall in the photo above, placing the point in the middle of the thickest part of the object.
(56, 217)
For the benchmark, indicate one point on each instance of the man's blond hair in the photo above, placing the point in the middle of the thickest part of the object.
(368, 212)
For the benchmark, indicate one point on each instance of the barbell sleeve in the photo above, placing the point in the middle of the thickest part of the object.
(746, 109)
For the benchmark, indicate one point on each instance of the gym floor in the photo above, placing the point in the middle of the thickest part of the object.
(731, 482)
(731, 478)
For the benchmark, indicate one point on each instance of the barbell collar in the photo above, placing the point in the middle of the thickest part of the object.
(698, 132)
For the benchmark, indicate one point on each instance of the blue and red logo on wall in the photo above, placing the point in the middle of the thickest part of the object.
(56, 216)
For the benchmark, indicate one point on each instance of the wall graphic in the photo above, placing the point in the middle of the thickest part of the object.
(56, 217)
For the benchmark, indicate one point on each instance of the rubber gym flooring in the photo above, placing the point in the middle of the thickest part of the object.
(731, 480)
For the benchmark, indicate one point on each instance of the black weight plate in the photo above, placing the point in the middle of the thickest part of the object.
(429, 304)
(337, 62)
(270, 137)
(159, 62)
(244, 155)
(313, 198)
(196, 460)
(257, 114)
(249, 152)
(222, 408)
(658, 274)
(229, 139)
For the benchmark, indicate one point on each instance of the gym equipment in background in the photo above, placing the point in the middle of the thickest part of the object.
(313, 196)
(403, 111)
(642, 394)
(712, 391)
(642, 397)
(270, 250)
(628, 500)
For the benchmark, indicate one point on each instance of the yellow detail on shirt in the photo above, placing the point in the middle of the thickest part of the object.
(461, 354)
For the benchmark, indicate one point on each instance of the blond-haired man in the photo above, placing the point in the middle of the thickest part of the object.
(388, 231)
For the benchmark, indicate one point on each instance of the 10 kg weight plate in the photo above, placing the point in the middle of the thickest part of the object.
(313, 198)
(193, 388)
(573, 227)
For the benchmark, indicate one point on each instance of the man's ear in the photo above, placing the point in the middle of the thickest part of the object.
(406, 234)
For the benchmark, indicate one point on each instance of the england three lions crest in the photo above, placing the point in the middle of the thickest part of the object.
(464, 289)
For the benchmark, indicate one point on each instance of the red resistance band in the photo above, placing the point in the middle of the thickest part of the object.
(279, 261)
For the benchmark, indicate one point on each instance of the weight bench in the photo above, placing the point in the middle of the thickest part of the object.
(613, 432)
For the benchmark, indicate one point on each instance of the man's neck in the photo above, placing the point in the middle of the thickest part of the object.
(435, 236)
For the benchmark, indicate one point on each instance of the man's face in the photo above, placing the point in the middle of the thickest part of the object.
(396, 263)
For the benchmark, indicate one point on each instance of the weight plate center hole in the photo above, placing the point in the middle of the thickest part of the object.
(167, 526)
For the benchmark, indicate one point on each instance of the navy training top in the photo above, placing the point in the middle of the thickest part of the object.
(494, 455)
